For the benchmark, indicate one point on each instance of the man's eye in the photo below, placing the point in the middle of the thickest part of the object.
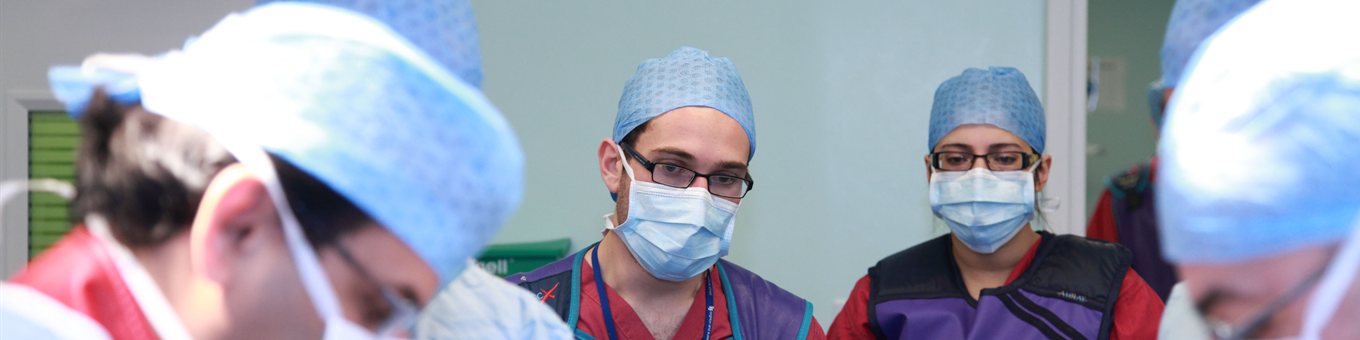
(724, 180)
(955, 159)
(670, 169)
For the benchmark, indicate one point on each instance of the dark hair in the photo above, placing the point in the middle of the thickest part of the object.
(632, 136)
(325, 215)
(146, 176)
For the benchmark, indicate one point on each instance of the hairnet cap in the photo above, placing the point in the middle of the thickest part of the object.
(1259, 152)
(347, 100)
(998, 96)
(686, 77)
(1191, 22)
(443, 28)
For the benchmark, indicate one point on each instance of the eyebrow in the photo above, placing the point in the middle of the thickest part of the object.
(675, 152)
(686, 156)
(992, 147)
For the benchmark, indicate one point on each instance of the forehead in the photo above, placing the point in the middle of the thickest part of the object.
(701, 131)
(980, 137)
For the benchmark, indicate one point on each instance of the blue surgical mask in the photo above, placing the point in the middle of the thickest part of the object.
(674, 233)
(984, 209)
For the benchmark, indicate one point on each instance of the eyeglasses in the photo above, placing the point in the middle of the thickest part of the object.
(996, 161)
(403, 312)
(676, 176)
(1225, 331)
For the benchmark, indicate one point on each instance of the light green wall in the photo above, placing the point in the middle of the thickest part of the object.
(841, 92)
(1130, 31)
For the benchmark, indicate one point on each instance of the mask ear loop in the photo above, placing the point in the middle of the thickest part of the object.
(1340, 275)
(319, 288)
(623, 157)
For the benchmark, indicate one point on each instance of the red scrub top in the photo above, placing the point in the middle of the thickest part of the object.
(630, 326)
(78, 271)
(1137, 312)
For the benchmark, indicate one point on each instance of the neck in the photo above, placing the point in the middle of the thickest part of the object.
(1002, 261)
(194, 298)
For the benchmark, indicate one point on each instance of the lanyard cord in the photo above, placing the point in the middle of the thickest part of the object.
(609, 315)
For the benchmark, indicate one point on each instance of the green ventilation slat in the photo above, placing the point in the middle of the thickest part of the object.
(52, 140)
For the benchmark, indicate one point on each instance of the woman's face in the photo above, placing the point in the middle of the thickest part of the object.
(981, 139)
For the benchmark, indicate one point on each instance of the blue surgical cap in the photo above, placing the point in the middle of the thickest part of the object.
(443, 28)
(1259, 152)
(347, 100)
(1191, 22)
(998, 96)
(686, 77)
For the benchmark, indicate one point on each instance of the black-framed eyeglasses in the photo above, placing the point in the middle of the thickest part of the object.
(403, 312)
(996, 161)
(1226, 331)
(676, 176)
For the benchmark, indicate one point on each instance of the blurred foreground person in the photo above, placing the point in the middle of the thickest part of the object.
(1257, 200)
(270, 180)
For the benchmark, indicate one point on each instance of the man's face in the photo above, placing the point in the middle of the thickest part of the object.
(240, 246)
(379, 261)
(1232, 293)
(698, 138)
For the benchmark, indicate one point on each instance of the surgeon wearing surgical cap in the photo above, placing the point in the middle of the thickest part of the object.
(1125, 212)
(1258, 197)
(677, 167)
(476, 305)
(293, 146)
(993, 276)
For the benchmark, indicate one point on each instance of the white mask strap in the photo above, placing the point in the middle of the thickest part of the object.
(314, 281)
(1332, 289)
(623, 157)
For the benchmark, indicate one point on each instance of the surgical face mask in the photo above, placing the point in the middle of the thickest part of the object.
(983, 209)
(675, 234)
(314, 279)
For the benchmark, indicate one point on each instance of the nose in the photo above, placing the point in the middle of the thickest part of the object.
(979, 159)
(699, 182)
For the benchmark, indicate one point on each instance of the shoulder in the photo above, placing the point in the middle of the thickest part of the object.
(926, 253)
(922, 270)
(1087, 271)
(1133, 181)
(742, 279)
(26, 313)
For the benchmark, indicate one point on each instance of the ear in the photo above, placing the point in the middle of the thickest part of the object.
(929, 170)
(611, 165)
(231, 224)
(1041, 174)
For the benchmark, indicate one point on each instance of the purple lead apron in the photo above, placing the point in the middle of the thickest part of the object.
(756, 309)
(1068, 292)
(1135, 221)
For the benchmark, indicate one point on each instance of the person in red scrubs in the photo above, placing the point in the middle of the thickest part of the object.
(256, 184)
(993, 276)
(678, 167)
(1126, 211)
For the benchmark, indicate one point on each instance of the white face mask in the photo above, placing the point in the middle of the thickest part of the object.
(675, 234)
(314, 279)
(983, 209)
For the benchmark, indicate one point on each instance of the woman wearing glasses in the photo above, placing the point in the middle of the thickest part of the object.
(993, 276)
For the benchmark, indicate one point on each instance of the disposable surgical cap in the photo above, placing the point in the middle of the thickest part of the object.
(1191, 22)
(1259, 153)
(997, 96)
(347, 100)
(443, 28)
(686, 77)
